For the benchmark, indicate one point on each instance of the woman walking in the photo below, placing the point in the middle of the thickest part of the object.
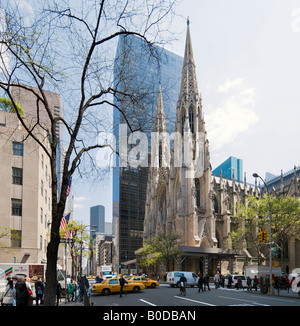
(9, 297)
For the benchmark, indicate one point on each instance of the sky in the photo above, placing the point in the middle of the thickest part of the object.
(248, 71)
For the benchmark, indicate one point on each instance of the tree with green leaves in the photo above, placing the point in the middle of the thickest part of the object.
(160, 249)
(8, 106)
(252, 217)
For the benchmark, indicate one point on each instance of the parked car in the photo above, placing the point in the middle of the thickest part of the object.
(235, 279)
(112, 285)
(174, 277)
(148, 282)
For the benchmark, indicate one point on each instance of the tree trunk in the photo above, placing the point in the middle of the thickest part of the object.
(51, 272)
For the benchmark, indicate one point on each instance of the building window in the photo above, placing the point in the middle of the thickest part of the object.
(191, 119)
(182, 122)
(41, 242)
(16, 207)
(18, 148)
(42, 188)
(17, 176)
(15, 238)
(42, 215)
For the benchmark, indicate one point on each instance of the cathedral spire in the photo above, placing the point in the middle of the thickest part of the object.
(188, 107)
(189, 80)
(160, 123)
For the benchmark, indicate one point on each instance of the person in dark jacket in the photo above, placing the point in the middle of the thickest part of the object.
(22, 295)
(206, 282)
(39, 291)
(200, 283)
(182, 283)
(58, 291)
(122, 282)
(229, 281)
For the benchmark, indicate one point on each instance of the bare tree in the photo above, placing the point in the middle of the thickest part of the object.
(68, 47)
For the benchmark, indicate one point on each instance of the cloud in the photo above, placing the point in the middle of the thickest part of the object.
(81, 199)
(25, 5)
(230, 84)
(234, 115)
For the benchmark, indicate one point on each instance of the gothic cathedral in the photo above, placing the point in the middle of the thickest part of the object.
(186, 198)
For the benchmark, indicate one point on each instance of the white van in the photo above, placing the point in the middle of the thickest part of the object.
(174, 277)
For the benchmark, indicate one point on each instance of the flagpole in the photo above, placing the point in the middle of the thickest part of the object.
(66, 261)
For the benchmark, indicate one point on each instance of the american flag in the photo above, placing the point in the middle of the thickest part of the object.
(64, 226)
(69, 186)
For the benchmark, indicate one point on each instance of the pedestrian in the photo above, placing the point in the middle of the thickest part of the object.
(255, 283)
(9, 298)
(29, 288)
(81, 288)
(239, 283)
(222, 280)
(287, 283)
(229, 281)
(17, 282)
(249, 283)
(276, 283)
(39, 291)
(58, 291)
(206, 282)
(122, 282)
(217, 280)
(71, 290)
(97, 279)
(182, 283)
(22, 294)
(200, 283)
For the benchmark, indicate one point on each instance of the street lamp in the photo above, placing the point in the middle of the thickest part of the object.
(255, 175)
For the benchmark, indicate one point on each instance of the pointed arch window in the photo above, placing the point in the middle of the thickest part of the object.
(182, 122)
(191, 118)
(197, 186)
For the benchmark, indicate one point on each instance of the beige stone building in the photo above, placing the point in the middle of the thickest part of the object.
(25, 193)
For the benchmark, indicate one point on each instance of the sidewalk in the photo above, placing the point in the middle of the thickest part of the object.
(281, 293)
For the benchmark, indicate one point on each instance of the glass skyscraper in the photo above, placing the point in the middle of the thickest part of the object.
(232, 166)
(139, 71)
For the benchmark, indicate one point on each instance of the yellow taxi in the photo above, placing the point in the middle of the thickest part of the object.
(142, 280)
(112, 285)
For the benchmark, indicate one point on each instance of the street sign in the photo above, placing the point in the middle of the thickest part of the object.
(65, 240)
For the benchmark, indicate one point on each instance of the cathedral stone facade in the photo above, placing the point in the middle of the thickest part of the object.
(186, 198)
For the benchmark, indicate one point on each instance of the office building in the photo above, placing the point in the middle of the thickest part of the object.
(97, 218)
(25, 192)
(27, 100)
(231, 168)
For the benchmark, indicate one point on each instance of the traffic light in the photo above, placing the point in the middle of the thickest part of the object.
(264, 236)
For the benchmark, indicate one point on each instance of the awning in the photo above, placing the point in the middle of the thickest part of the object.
(204, 251)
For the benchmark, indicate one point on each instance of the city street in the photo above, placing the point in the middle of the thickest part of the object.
(164, 295)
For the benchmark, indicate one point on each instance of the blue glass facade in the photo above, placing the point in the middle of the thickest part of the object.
(138, 72)
(229, 167)
(97, 218)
